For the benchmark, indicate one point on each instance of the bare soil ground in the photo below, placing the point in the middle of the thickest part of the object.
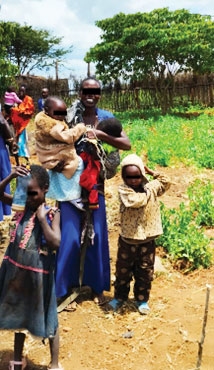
(94, 339)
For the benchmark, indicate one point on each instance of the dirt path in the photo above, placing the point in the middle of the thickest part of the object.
(93, 339)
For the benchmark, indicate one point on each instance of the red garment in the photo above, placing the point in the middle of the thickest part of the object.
(89, 177)
(21, 115)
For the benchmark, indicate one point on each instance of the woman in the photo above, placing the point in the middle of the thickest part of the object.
(6, 137)
(20, 117)
(96, 265)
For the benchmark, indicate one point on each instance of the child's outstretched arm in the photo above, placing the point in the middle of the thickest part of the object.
(52, 233)
(17, 171)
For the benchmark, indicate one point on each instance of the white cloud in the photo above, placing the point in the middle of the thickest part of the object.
(75, 20)
(56, 17)
(53, 15)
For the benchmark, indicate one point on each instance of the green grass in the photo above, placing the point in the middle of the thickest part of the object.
(169, 139)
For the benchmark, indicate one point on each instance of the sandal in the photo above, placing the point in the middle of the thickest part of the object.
(143, 308)
(13, 363)
(71, 307)
(115, 304)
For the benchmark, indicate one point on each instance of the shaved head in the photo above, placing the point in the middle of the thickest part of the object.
(55, 107)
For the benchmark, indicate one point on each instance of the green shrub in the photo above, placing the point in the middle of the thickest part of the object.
(168, 139)
(183, 240)
(202, 202)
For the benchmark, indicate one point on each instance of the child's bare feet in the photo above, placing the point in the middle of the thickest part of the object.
(98, 298)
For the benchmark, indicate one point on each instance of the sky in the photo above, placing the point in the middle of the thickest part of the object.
(74, 20)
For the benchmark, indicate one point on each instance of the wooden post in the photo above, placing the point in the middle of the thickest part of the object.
(203, 333)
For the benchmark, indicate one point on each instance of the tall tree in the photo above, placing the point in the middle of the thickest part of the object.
(29, 48)
(160, 42)
(7, 69)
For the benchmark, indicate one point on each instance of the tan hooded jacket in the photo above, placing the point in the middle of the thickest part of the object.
(55, 143)
(140, 212)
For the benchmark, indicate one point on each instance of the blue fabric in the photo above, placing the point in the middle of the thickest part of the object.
(103, 114)
(27, 294)
(23, 145)
(40, 104)
(63, 189)
(5, 169)
(97, 264)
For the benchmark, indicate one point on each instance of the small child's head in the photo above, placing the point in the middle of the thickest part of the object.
(45, 93)
(11, 89)
(55, 108)
(111, 126)
(133, 172)
(37, 187)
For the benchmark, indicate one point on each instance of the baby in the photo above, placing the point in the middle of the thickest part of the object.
(10, 98)
(93, 170)
(111, 126)
(54, 145)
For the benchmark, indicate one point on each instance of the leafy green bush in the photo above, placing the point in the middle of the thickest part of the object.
(202, 202)
(184, 241)
(168, 139)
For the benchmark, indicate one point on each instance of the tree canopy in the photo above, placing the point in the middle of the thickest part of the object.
(29, 48)
(7, 69)
(159, 42)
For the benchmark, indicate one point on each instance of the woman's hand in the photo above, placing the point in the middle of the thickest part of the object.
(42, 212)
(91, 133)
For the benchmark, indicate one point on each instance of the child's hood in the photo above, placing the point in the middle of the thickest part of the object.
(134, 160)
(45, 123)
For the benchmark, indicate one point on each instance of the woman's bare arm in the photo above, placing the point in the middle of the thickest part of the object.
(121, 142)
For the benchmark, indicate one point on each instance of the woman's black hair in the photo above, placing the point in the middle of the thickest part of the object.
(88, 79)
(41, 175)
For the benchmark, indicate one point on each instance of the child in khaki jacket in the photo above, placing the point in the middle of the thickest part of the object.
(55, 144)
(140, 225)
